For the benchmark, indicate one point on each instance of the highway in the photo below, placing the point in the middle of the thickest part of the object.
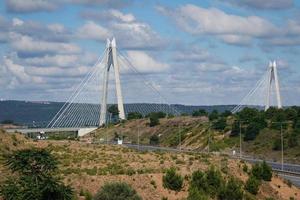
(290, 171)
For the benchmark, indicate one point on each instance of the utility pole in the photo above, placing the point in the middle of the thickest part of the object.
(179, 137)
(138, 136)
(240, 140)
(209, 129)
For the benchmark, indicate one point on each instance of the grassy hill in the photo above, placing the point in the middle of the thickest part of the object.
(194, 133)
(86, 167)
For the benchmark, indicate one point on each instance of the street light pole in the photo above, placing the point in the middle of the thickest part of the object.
(179, 137)
(281, 135)
(209, 126)
(240, 140)
(138, 136)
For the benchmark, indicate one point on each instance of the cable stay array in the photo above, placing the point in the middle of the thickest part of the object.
(83, 107)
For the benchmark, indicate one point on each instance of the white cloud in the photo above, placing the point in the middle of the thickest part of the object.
(198, 20)
(91, 30)
(17, 22)
(26, 44)
(267, 4)
(145, 63)
(130, 33)
(24, 6)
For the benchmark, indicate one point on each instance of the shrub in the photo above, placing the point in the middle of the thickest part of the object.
(154, 120)
(172, 180)
(262, 171)
(251, 131)
(195, 194)
(200, 112)
(134, 115)
(154, 140)
(198, 181)
(117, 191)
(220, 124)
(214, 181)
(277, 145)
(252, 185)
(231, 191)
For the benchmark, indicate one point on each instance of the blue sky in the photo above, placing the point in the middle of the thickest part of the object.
(195, 52)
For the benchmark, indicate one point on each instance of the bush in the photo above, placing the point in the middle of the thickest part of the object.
(209, 182)
(195, 194)
(154, 120)
(262, 171)
(213, 115)
(252, 185)
(154, 140)
(172, 180)
(220, 124)
(277, 145)
(134, 115)
(231, 191)
(200, 112)
(251, 131)
(117, 191)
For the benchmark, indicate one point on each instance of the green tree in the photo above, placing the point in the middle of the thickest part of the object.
(117, 191)
(235, 128)
(154, 120)
(214, 181)
(172, 180)
(277, 144)
(154, 139)
(231, 191)
(134, 115)
(199, 181)
(262, 171)
(293, 140)
(113, 109)
(220, 124)
(213, 115)
(252, 185)
(35, 169)
(252, 131)
(199, 113)
(195, 194)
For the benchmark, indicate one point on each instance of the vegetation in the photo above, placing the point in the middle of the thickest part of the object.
(199, 113)
(232, 190)
(35, 177)
(252, 185)
(262, 171)
(134, 115)
(154, 140)
(172, 180)
(117, 191)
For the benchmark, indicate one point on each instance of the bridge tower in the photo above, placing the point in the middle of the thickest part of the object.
(111, 61)
(273, 77)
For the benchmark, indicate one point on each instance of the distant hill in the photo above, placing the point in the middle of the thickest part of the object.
(40, 113)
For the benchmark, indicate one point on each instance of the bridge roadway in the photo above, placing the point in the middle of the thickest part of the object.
(290, 171)
(80, 131)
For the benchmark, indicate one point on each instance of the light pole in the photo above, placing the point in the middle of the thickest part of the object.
(179, 137)
(138, 136)
(209, 129)
(240, 122)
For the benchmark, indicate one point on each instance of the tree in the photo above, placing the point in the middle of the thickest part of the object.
(235, 128)
(291, 113)
(220, 124)
(198, 181)
(293, 140)
(199, 113)
(277, 145)
(172, 180)
(113, 109)
(35, 169)
(154, 120)
(226, 113)
(252, 131)
(262, 171)
(134, 115)
(154, 139)
(117, 191)
(231, 191)
(195, 194)
(213, 115)
(252, 185)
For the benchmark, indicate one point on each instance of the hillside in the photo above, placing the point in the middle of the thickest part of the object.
(86, 167)
(194, 134)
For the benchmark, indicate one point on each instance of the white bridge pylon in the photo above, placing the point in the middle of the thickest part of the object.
(261, 93)
(273, 77)
(111, 61)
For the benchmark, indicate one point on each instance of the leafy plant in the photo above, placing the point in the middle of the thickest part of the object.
(117, 191)
(252, 185)
(172, 180)
(231, 191)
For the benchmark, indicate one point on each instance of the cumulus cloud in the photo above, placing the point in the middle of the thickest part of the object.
(269, 4)
(145, 63)
(26, 45)
(21, 6)
(130, 33)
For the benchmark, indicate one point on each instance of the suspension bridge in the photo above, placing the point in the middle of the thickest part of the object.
(87, 107)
